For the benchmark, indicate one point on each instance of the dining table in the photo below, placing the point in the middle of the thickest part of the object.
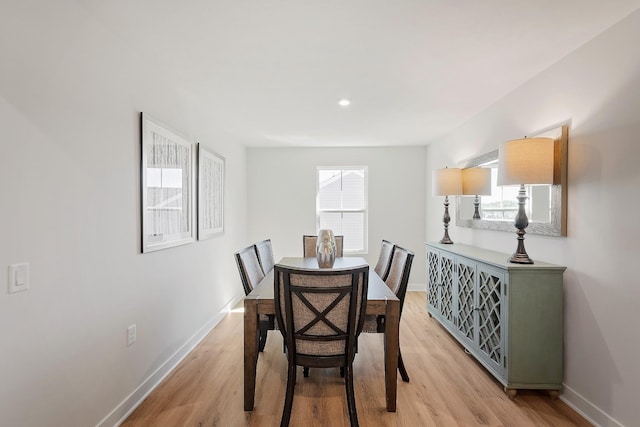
(380, 301)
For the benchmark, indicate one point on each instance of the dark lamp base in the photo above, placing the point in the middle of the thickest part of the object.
(521, 222)
(520, 259)
(445, 219)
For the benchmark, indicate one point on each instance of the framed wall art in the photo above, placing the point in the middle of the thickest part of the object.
(210, 193)
(168, 187)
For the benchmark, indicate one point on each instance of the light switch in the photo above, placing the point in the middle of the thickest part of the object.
(18, 277)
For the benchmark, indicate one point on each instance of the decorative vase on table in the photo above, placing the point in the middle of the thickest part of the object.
(326, 249)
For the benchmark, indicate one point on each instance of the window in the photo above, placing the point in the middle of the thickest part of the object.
(341, 204)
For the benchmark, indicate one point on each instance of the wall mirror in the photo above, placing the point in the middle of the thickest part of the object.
(546, 204)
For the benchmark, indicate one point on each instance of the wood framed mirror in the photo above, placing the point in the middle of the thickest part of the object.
(546, 204)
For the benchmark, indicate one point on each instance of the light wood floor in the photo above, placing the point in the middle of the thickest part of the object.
(447, 388)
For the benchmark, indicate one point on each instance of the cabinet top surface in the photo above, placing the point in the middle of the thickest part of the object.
(499, 259)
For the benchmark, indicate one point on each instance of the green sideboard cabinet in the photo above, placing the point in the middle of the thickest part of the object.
(508, 316)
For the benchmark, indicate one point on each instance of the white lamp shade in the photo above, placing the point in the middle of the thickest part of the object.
(526, 161)
(476, 182)
(447, 182)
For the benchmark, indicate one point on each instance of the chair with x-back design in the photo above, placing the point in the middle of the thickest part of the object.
(384, 259)
(397, 279)
(309, 245)
(251, 274)
(320, 314)
(265, 255)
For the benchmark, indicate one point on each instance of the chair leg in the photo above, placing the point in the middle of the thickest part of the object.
(262, 340)
(288, 400)
(305, 371)
(342, 371)
(351, 398)
(403, 371)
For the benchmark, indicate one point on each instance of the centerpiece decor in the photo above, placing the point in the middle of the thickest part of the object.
(326, 249)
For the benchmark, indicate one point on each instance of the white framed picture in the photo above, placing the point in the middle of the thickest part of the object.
(210, 193)
(168, 187)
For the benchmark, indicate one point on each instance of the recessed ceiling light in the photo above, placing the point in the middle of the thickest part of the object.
(344, 102)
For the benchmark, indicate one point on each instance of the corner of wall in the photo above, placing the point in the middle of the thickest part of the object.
(591, 412)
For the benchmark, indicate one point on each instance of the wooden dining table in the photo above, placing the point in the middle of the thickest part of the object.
(380, 300)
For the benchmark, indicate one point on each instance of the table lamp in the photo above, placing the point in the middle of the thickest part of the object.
(476, 182)
(520, 162)
(447, 182)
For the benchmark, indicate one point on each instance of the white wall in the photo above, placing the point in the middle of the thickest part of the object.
(70, 96)
(70, 93)
(597, 88)
(282, 196)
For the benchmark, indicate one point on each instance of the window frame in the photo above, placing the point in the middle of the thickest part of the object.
(364, 210)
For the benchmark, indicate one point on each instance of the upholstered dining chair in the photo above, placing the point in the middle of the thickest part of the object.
(265, 255)
(397, 280)
(309, 245)
(384, 259)
(251, 274)
(320, 314)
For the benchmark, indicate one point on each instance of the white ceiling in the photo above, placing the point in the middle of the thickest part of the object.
(270, 72)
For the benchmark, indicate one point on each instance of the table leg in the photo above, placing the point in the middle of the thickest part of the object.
(391, 345)
(250, 351)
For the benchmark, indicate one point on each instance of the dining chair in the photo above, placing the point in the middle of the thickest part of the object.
(321, 314)
(251, 274)
(397, 280)
(384, 259)
(265, 255)
(309, 245)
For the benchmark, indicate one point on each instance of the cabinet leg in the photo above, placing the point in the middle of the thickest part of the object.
(553, 394)
(511, 392)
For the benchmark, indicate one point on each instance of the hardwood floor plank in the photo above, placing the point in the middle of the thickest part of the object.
(447, 388)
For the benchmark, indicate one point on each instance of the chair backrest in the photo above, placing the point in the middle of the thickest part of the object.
(384, 259)
(309, 245)
(320, 313)
(249, 268)
(265, 255)
(398, 276)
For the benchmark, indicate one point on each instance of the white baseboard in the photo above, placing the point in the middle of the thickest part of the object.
(575, 400)
(591, 412)
(417, 287)
(131, 402)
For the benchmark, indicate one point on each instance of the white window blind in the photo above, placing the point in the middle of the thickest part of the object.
(341, 204)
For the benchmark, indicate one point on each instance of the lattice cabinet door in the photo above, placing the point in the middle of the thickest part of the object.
(508, 316)
(433, 279)
(465, 300)
(491, 311)
(447, 278)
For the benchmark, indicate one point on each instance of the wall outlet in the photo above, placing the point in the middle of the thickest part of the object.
(131, 335)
